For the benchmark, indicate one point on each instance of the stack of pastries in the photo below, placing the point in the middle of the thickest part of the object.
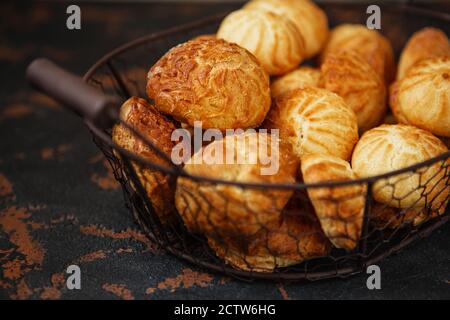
(330, 120)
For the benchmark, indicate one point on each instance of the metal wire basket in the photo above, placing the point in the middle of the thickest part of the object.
(122, 74)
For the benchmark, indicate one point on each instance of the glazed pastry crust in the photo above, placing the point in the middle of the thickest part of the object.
(155, 127)
(213, 81)
(298, 79)
(315, 120)
(340, 209)
(369, 44)
(424, 44)
(274, 40)
(309, 19)
(295, 239)
(351, 77)
(225, 210)
(422, 98)
(393, 147)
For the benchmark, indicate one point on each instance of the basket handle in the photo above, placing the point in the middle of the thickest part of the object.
(70, 90)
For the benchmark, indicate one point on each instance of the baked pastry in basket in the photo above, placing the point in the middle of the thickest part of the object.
(144, 118)
(310, 20)
(422, 97)
(340, 209)
(347, 74)
(315, 120)
(273, 39)
(220, 209)
(371, 45)
(298, 79)
(424, 44)
(295, 239)
(213, 81)
(383, 216)
(392, 147)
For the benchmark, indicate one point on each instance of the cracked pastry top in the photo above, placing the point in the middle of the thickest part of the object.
(392, 147)
(315, 120)
(274, 40)
(213, 81)
(309, 19)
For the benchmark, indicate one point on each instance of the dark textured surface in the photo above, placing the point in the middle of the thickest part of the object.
(59, 204)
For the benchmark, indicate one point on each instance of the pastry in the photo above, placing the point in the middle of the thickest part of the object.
(295, 239)
(422, 97)
(144, 118)
(424, 44)
(371, 45)
(340, 209)
(273, 39)
(226, 210)
(310, 20)
(314, 120)
(213, 81)
(297, 79)
(392, 147)
(382, 216)
(347, 74)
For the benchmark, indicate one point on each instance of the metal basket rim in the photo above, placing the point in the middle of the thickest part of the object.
(294, 186)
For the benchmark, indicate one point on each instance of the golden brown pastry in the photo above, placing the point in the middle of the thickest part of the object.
(296, 239)
(273, 39)
(213, 81)
(422, 97)
(371, 45)
(221, 209)
(383, 216)
(340, 209)
(423, 44)
(310, 20)
(315, 120)
(143, 117)
(297, 79)
(393, 147)
(347, 74)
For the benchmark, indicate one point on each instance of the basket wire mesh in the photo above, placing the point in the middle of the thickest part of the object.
(385, 230)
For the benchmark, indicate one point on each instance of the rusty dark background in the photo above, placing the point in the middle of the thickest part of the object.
(60, 205)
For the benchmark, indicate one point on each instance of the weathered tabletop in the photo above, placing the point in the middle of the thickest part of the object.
(59, 204)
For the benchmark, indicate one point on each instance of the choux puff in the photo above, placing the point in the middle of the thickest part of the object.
(297, 237)
(298, 79)
(340, 209)
(213, 81)
(423, 44)
(225, 210)
(314, 120)
(274, 40)
(347, 74)
(144, 118)
(383, 216)
(370, 44)
(392, 147)
(422, 97)
(309, 19)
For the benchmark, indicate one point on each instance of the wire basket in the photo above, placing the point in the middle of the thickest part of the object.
(385, 230)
